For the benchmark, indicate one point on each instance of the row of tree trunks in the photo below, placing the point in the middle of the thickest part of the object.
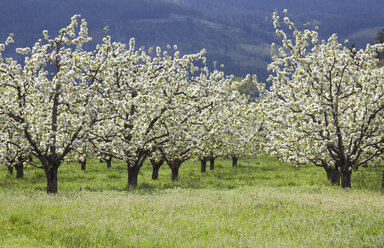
(108, 160)
(203, 162)
(333, 175)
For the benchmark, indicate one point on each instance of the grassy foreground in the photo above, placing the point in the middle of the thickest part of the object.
(262, 203)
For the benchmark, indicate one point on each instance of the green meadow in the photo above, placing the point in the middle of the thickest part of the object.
(260, 203)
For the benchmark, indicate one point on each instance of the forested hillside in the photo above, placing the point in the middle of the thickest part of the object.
(235, 33)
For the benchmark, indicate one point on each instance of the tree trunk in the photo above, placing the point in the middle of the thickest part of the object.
(109, 161)
(133, 172)
(10, 169)
(83, 165)
(346, 178)
(175, 174)
(51, 173)
(234, 161)
(19, 170)
(382, 183)
(212, 164)
(134, 168)
(175, 166)
(155, 168)
(203, 165)
(333, 175)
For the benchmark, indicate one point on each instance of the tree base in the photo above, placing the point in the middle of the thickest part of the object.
(203, 165)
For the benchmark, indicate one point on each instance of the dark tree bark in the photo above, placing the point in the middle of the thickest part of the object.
(83, 165)
(156, 167)
(50, 165)
(133, 173)
(346, 178)
(19, 170)
(51, 173)
(212, 164)
(175, 174)
(134, 168)
(175, 166)
(10, 169)
(382, 182)
(203, 165)
(108, 159)
(234, 161)
(333, 175)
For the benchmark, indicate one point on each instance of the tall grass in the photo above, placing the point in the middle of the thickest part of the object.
(261, 203)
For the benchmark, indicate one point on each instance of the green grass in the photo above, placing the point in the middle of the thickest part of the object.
(261, 203)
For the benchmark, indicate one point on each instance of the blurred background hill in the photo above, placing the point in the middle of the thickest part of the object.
(236, 33)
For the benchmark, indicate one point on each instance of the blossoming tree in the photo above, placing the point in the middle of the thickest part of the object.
(326, 103)
(49, 99)
(136, 94)
(204, 93)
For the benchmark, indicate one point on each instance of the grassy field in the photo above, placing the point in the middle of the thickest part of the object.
(261, 203)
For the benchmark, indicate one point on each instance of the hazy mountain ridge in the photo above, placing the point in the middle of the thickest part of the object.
(236, 33)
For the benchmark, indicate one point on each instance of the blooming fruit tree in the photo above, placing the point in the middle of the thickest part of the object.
(140, 95)
(204, 93)
(49, 99)
(326, 103)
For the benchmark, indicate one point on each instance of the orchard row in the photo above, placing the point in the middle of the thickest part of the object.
(325, 105)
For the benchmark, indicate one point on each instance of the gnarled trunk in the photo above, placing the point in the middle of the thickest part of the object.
(203, 165)
(133, 173)
(134, 168)
(19, 170)
(175, 174)
(212, 164)
(234, 161)
(346, 178)
(83, 164)
(156, 167)
(51, 174)
(333, 175)
(175, 166)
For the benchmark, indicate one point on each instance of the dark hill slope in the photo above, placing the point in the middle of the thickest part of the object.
(236, 33)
